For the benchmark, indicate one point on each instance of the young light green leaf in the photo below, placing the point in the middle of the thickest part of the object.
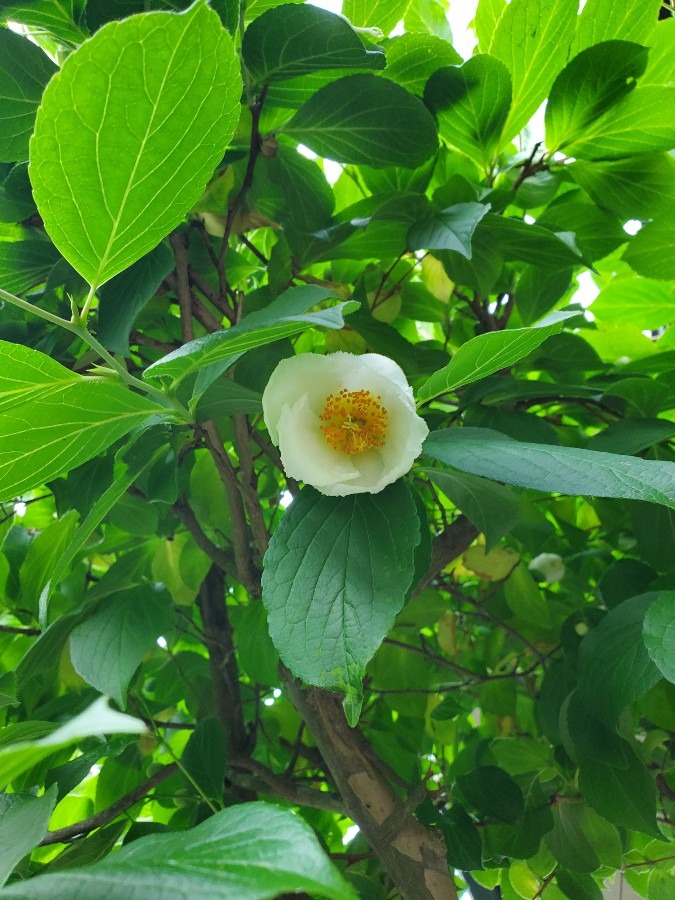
(97, 719)
(566, 470)
(24, 71)
(61, 18)
(285, 316)
(366, 120)
(450, 229)
(23, 823)
(382, 14)
(659, 634)
(335, 576)
(650, 251)
(296, 40)
(472, 105)
(413, 58)
(53, 433)
(219, 859)
(107, 648)
(493, 508)
(589, 86)
(488, 353)
(638, 302)
(603, 20)
(122, 149)
(532, 41)
(43, 554)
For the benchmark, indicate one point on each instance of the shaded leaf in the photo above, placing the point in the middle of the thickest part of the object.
(659, 634)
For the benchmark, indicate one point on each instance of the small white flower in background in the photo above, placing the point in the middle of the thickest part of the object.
(343, 423)
(549, 565)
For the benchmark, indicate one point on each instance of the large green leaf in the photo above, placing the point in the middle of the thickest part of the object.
(624, 795)
(366, 120)
(382, 14)
(107, 648)
(413, 58)
(61, 18)
(335, 576)
(565, 470)
(532, 41)
(590, 85)
(603, 20)
(582, 840)
(517, 239)
(636, 188)
(55, 432)
(24, 72)
(25, 374)
(650, 251)
(285, 316)
(253, 851)
(538, 290)
(493, 508)
(488, 353)
(659, 634)
(450, 229)
(43, 554)
(297, 40)
(493, 793)
(25, 264)
(124, 296)
(614, 666)
(472, 104)
(23, 823)
(97, 719)
(639, 302)
(122, 148)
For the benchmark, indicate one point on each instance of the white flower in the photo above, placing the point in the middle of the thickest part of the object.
(343, 423)
(549, 565)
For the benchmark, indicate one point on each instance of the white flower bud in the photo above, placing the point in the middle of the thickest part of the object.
(344, 424)
(549, 565)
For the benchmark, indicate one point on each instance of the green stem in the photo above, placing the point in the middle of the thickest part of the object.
(76, 326)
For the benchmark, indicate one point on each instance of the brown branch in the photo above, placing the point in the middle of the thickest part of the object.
(413, 855)
(79, 829)
(447, 546)
(289, 790)
(178, 242)
(205, 288)
(249, 483)
(222, 558)
(254, 250)
(246, 572)
(15, 629)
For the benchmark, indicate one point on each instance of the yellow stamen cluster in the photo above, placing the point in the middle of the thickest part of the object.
(355, 421)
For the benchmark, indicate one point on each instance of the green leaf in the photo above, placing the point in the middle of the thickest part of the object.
(205, 757)
(639, 187)
(565, 470)
(413, 58)
(382, 14)
(582, 840)
(107, 648)
(24, 71)
(589, 86)
(67, 427)
(492, 508)
(25, 264)
(42, 557)
(493, 793)
(366, 120)
(462, 839)
(532, 40)
(650, 251)
(596, 231)
(659, 634)
(296, 40)
(220, 859)
(225, 398)
(336, 574)
(639, 302)
(97, 719)
(577, 885)
(428, 17)
(123, 297)
(25, 374)
(517, 239)
(23, 823)
(285, 316)
(630, 436)
(488, 353)
(307, 199)
(61, 18)
(603, 20)
(538, 290)
(123, 149)
(472, 104)
(614, 666)
(8, 690)
(525, 600)
(623, 795)
(450, 229)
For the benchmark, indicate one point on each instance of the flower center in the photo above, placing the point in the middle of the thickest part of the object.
(354, 421)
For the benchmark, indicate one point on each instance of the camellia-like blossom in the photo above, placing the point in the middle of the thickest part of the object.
(343, 423)
(549, 565)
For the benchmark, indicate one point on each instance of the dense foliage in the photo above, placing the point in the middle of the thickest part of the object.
(475, 665)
